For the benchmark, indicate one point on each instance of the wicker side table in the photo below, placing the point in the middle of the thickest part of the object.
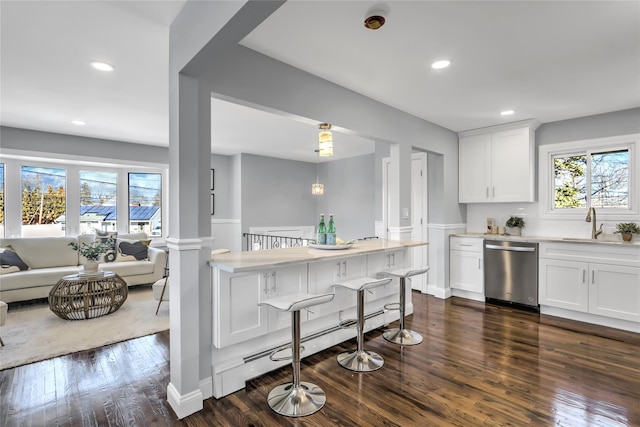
(77, 297)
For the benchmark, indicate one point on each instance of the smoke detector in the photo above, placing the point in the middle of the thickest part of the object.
(374, 22)
(375, 18)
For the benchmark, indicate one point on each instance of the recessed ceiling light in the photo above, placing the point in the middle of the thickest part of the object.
(438, 65)
(507, 112)
(102, 66)
(78, 122)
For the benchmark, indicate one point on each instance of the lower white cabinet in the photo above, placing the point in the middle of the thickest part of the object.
(238, 317)
(323, 275)
(563, 284)
(466, 269)
(615, 291)
(377, 263)
(597, 280)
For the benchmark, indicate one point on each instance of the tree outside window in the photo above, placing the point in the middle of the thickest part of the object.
(44, 201)
(598, 179)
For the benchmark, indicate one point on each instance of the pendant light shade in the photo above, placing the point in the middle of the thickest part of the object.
(317, 189)
(325, 139)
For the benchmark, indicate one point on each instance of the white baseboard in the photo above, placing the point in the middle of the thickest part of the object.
(439, 292)
(206, 387)
(184, 405)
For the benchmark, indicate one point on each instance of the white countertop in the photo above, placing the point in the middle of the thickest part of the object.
(616, 240)
(234, 262)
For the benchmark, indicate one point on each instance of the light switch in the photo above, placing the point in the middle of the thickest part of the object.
(405, 213)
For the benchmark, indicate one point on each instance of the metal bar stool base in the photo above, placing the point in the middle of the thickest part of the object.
(360, 361)
(402, 336)
(300, 401)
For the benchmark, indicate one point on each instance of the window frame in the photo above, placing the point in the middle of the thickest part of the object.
(13, 165)
(546, 181)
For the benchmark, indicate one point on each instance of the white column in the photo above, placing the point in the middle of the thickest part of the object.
(184, 393)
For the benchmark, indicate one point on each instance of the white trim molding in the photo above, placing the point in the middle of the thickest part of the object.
(400, 233)
(184, 244)
(185, 405)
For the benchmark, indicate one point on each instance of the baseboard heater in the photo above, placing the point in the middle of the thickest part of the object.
(343, 325)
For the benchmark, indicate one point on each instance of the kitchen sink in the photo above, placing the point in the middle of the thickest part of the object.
(579, 239)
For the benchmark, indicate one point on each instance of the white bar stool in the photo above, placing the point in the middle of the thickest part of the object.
(360, 360)
(402, 336)
(297, 398)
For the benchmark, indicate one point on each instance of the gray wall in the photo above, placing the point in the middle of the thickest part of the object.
(71, 147)
(276, 192)
(223, 186)
(623, 122)
(349, 194)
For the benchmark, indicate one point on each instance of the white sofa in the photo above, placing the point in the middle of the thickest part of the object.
(51, 258)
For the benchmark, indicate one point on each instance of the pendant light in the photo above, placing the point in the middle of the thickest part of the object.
(325, 140)
(317, 189)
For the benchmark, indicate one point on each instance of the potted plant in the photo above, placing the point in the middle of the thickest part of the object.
(92, 252)
(515, 224)
(627, 229)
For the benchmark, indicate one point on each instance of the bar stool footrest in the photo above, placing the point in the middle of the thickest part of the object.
(392, 306)
(273, 357)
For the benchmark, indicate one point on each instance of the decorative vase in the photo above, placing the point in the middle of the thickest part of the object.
(90, 267)
(627, 237)
(515, 231)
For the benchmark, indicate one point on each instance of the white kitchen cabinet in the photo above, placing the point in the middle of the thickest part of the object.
(466, 269)
(283, 281)
(238, 317)
(615, 291)
(385, 262)
(323, 275)
(497, 164)
(563, 284)
(601, 280)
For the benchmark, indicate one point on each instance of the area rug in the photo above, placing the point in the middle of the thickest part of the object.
(33, 333)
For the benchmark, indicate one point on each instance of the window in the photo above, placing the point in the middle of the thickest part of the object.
(44, 201)
(1, 199)
(145, 203)
(598, 179)
(72, 197)
(597, 173)
(98, 201)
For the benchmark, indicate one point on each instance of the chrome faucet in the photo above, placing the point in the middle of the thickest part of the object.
(594, 233)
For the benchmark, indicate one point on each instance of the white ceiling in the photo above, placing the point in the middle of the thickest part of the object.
(549, 60)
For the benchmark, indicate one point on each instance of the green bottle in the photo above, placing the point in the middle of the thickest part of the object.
(322, 232)
(331, 232)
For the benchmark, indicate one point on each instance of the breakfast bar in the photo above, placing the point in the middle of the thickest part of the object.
(245, 333)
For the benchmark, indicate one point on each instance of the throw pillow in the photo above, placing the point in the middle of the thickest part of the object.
(104, 236)
(132, 250)
(10, 262)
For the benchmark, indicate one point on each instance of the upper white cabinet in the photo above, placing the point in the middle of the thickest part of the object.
(497, 164)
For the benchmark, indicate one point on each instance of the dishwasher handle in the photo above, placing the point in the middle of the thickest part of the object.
(511, 248)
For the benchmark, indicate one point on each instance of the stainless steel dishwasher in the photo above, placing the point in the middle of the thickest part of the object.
(511, 272)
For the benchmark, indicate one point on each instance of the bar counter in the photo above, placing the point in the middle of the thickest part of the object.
(245, 332)
(235, 262)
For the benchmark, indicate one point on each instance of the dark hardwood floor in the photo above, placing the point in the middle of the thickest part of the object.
(479, 365)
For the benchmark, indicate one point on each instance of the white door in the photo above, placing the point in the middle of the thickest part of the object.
(419, 255)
